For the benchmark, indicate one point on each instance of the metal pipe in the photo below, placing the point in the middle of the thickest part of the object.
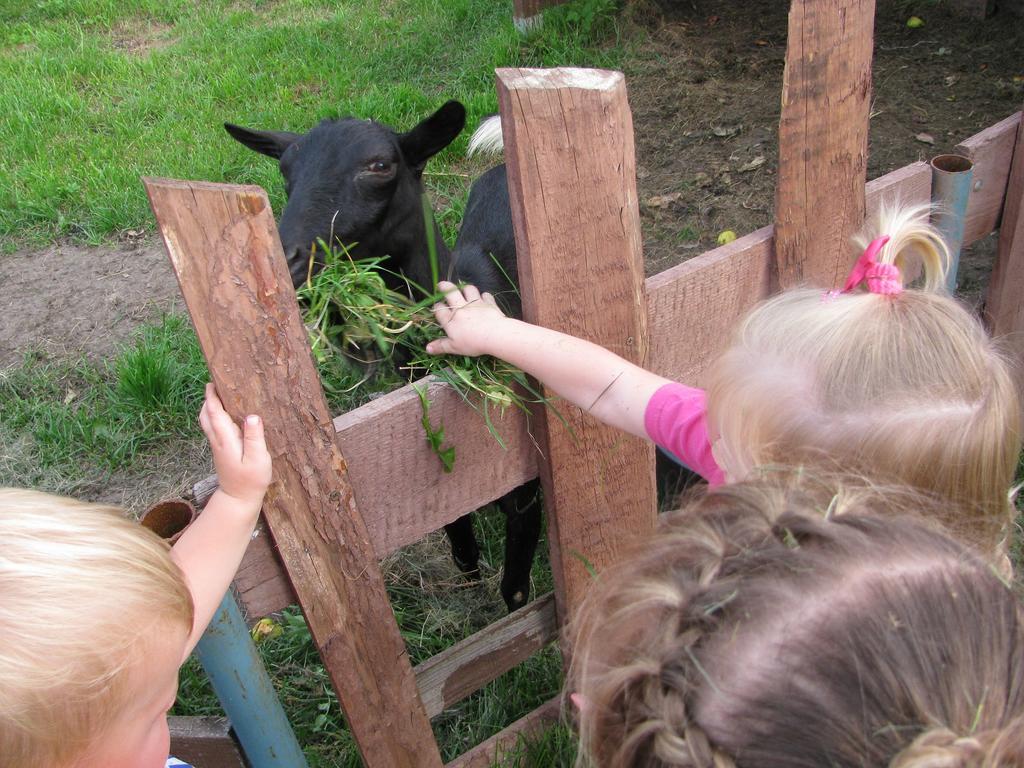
(229, 658)
(243, 686)
(951, 189)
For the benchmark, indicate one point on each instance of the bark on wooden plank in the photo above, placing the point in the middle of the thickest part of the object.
(468, 666)
(1004, 306)
(991, 151)
(823, 135)
(497, 749)
(572, 184)
(204, 742)
(223, 244)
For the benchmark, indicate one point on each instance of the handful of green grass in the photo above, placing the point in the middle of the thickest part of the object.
(352, 315)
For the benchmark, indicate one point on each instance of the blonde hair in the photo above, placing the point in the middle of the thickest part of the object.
(82, 592)
(797, 625)
(906, 388)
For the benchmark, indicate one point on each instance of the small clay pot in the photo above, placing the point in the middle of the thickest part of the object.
(169, 518)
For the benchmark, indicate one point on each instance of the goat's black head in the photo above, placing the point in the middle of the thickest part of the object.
(354, 181)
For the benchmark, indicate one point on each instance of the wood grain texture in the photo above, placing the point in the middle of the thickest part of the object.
(823, 135)
(1004, 306)
(497, 749)
(572, 184)
(692, 309)
(991, 151)
(223, 244)
(204, 742)
(468, 666)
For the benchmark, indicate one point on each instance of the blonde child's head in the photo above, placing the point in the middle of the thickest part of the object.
(86, 597)
(902, 388)
(793, 626)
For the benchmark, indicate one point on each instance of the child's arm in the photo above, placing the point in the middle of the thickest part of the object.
(614, 390)
(210, 550)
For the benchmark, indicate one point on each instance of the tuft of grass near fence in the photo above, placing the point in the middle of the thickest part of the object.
(96, 93)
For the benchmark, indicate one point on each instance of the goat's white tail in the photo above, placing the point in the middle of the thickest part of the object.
(487, 139)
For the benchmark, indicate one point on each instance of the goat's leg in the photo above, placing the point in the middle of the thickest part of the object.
(465, 551)
(522, 508)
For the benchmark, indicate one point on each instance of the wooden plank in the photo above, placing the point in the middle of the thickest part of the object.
(223, 244)
(823, 140)
(204, 742)
(991, 151)
(497, 749)
(706, 295)
(468, 666)
(1004, 306)
(572, 186)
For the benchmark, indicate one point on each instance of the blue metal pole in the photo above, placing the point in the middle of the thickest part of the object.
(241, 682)
(951, 188)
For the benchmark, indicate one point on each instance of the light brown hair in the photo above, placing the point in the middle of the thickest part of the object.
(794, 624)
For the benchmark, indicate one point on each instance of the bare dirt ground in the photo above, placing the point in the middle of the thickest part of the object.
(704, 86)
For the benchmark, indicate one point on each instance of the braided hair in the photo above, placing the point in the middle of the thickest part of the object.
(791, 623)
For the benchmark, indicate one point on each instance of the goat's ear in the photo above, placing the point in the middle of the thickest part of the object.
(432, 135)
(270, 143)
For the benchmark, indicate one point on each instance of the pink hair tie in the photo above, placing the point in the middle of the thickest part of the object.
(881, 278)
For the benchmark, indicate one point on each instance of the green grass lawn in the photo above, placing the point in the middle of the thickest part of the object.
(95, 94)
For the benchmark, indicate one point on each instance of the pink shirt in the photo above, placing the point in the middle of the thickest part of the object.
(676, 419)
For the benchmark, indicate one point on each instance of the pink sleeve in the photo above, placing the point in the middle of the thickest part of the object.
(676, 419)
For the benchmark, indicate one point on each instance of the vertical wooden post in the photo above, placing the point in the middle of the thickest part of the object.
(526, 14)
(572, 180)
(1004, 307)
(823, 140)
(224, 247)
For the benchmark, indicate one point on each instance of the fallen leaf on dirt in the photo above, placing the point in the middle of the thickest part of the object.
(757, 162)
(943, 51)
(761, 42)
(701, 179)
(660, 201)
(952, 80)
(925, 138)
(712, 20)
(1018, 78)
(915, 21)
(726, 237)
(71, 395)
(725, 131)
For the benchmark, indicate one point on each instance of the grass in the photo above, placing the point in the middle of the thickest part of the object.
(96, 93)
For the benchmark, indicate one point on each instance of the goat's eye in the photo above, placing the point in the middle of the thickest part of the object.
(378, 166)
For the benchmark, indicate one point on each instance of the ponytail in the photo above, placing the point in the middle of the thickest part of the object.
(914, 244)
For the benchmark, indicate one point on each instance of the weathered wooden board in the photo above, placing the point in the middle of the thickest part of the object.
(456, 672)
(823, 140)
(1004, 306)
(572, 186)
(204, 742)
(991, 151)
(224, 247)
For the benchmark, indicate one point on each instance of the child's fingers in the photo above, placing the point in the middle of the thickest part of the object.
(452, 295)
(442, 346)
(471, 293)
(254, 444)
(489, 298)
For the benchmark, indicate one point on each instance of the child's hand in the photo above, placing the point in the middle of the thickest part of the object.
(469, 319)
(240, 458)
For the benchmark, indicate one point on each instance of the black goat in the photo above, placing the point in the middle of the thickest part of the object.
(357, 181)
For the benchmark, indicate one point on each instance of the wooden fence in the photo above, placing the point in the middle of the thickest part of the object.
(351, 491)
